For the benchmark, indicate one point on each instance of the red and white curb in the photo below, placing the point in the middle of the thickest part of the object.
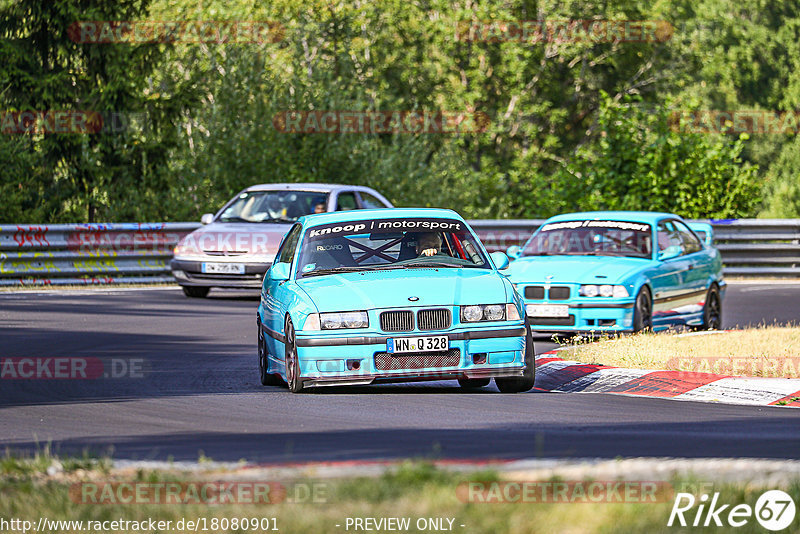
(556, 374)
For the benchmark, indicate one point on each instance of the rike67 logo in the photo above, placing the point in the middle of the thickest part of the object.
(774, 510)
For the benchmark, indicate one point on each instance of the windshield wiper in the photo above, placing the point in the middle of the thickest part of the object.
(277, 219)
(332, 270)
(431, 264)
(233, 219)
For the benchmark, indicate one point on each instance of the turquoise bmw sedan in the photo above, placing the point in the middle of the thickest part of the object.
(370, 296)
(615, 271)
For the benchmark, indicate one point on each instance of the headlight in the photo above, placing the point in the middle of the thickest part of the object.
(470, 314)
(483, 312)
(589, 291)
(337, 320)
(605, 290)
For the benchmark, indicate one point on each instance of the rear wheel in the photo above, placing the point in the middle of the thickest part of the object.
(712, 310)
(472, 383)
(293, 379)
(195, 292)
(643, 311)
(267, 378)
(519, 384)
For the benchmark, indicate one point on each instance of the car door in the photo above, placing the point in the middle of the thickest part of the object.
(668, 281)
(699, 268)
(277, 293)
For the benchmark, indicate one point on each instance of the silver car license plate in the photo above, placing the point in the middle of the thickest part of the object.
(223, 268)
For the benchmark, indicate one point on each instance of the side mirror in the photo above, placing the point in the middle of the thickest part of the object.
(514, 251)
(279, 272)
(207, 218)
(670, 252)
(500, 260)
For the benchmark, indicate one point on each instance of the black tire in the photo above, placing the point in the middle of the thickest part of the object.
(520, 384)
(293, 378)
(643, 311)
(195, 292)
(472, 383)
(267, 378)
(712, 310)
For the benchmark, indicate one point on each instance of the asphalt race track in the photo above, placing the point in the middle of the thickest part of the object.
(195, 388)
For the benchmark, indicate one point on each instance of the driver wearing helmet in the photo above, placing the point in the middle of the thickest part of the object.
(429, 244)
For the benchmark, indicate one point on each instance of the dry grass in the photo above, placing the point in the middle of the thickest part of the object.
(414, 490)
(767, 351)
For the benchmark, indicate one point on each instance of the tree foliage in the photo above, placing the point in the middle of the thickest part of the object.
(574, 123)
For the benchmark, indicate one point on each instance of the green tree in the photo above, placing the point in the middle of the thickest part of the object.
(84, 176)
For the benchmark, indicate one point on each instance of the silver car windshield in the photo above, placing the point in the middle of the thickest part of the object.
(592, 238)
(389, 244)
(274, 206)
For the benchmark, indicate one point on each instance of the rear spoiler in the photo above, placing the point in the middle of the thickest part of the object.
(704, 231)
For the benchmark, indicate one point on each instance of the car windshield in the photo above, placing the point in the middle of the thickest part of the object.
(592, 238)
(274, 206)
(389, 244)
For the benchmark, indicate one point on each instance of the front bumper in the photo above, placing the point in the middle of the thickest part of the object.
(189, 273)
(587, 317)
(335, 359)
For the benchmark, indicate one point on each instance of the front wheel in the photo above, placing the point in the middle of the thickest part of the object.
(643, 311)
(267, 378)
(520, 384)
(293, 379)
(712, 310)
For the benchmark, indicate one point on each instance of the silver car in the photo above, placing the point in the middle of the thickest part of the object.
(237, 245)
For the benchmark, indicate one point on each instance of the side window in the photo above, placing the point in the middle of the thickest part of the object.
(370, 201)
(668, 236)
(286, 253)
(690, 242)
(346, 201)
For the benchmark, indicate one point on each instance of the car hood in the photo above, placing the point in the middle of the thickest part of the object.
(578, 269)
(254, 239)
(392, 289)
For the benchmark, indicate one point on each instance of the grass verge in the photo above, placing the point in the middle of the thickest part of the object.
(766, 351)
(415, 490)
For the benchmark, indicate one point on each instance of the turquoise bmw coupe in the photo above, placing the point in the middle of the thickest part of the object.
(614, 271)
(369, 296)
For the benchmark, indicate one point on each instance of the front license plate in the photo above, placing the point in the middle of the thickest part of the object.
(417, 344)
(223, 268)
(547, 310)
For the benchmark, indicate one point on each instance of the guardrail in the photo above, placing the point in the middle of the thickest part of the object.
(749, 247)
(84, 254)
